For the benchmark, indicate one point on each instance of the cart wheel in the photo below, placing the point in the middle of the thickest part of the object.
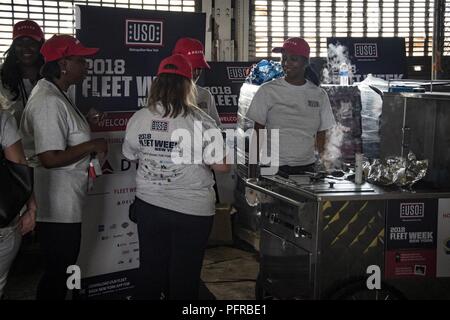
(260, 292)
(358, 291)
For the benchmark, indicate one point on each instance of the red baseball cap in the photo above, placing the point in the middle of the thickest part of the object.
(297, 46)
(176, 64)
(60, 46)
(193, 50)
(27, 28)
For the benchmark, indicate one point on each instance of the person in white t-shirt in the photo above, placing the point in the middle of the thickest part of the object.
(57, 142)
(193, 50)
(20, 71)
(175, 202)
(297, 107)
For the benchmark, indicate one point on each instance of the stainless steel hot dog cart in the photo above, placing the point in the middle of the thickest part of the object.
(319, 236)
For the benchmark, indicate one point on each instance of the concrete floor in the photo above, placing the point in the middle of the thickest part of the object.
(229, 272)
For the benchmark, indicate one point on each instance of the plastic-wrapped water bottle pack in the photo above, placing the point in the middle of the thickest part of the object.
(265, 71)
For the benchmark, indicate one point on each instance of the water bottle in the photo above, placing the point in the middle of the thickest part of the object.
(358, 168)
(343, 74)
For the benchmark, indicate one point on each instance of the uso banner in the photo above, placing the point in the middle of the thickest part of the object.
(411, 229)
(132, 43)
(382, 57)
(224, 81)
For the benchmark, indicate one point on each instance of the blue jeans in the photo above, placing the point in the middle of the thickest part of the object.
(10, 239)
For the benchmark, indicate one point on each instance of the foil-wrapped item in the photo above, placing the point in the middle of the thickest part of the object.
(398, 171)
(265, 71)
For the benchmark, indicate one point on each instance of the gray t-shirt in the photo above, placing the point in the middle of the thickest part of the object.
(50, 122)
(205, 101)
(185, 188)
(299, 112)
(9, 134)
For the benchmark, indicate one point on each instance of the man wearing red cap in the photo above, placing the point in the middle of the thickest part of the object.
(297, 107)
(193, 50)
(20, 71)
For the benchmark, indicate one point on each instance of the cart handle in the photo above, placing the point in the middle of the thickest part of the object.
(273, 194)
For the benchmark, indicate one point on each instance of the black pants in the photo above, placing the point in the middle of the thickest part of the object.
(172, 246)
(60, 243)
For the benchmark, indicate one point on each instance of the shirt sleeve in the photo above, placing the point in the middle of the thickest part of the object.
(213, 110)
(259, 107)
(130, 146)
(50, 126)
(212, 140)
(71, 94)
(326, 114)
(9, 134)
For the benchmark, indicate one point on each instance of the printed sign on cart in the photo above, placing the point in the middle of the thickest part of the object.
(411, 238)
(443, 239)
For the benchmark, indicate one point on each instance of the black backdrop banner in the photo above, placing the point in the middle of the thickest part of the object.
(132, 43)
(383, 57)
(224, 81)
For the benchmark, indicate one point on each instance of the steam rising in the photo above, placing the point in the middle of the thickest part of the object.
(332, 156)
(337, 54)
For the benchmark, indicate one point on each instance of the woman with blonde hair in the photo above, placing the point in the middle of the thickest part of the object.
(175, 202)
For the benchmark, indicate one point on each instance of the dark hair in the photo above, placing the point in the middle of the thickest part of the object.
(11, 73)
(51, 70)
(311, 75)
(176, 94)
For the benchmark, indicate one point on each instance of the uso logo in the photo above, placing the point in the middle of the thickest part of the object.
(238, 73)
(143, 33)
(366, 50)
(412, 210)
